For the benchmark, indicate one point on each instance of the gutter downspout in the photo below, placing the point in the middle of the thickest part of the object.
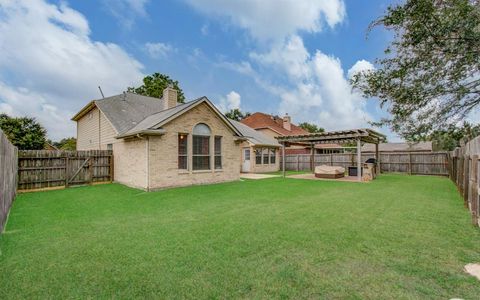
(148, 163)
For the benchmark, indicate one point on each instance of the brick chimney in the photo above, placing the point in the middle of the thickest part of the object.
(169, 97)
(287, 122)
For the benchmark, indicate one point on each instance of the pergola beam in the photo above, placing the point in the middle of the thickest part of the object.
(346, 136)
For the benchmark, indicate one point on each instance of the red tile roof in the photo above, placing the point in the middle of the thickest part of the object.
(260, 120)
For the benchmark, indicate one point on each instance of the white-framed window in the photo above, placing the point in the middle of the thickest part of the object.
(258, 156)
(109, 146)
(272, 156)
(265, 155)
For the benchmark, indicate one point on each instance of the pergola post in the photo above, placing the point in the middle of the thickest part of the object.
(312, 158)
(283, 159)
(359, 160)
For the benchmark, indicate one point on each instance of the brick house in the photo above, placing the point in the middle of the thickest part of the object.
(159, 143)
(274, 126)
(260, 153)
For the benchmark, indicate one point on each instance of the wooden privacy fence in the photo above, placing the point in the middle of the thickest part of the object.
(464, 172)
(431, 163)
(8, 177)
(39, 169)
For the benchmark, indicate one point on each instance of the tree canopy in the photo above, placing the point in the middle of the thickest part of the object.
(312, 128)
(451, 137)
(236, 114)
(429, 78)
(25, 133)
(69, 143)
(153, 86)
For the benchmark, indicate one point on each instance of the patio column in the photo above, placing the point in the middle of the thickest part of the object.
(312, 157)
(283, 159)
(359, 160)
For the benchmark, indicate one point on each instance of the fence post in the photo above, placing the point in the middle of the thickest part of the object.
(466, 162)
(90, 169)
(111, 167)
(474, 190)
(66, 170)
(409, 163)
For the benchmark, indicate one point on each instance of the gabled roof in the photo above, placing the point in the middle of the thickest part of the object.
(153, 122)
(124, 111)
(399, 147)
(255, 137)
(260, 120)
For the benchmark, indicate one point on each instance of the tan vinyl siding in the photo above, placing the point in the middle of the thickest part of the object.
(94, 131)
(88, 131)
(107, 133)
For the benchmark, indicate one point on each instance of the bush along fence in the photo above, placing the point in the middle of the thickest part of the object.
(8, 177)
(464, 172)
(431, 163)
(43, 169)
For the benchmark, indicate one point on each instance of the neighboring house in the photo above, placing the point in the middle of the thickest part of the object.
(49, 146)
(275, 126)
(399, 147)
(160, 143)
(260, 152)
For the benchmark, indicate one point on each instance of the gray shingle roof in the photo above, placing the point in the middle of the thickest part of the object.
(125, 111)
(153, 119)
(254, 136)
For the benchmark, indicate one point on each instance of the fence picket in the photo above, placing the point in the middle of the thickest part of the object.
(39, 169)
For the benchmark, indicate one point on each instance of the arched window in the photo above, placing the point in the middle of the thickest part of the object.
(201, 129)
(201, 147)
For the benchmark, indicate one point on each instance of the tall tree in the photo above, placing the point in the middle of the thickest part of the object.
(312, 128)
(451, 137)
(236, 114)
(25, 133)
(153, 86)
(66, 144)
(430, 76)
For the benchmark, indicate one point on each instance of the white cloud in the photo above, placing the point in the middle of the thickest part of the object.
(126, 11)
(311, 88)
(158, 50)
(50, 67)
(273, 19)
(231, 101)
(360, 66)
(204, 29)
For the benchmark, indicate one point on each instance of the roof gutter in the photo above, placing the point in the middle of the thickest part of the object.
(139, 133)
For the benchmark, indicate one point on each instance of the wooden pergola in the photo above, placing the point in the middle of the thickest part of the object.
(337, 137)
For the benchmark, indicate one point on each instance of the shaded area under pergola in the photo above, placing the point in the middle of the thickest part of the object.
(358, 136)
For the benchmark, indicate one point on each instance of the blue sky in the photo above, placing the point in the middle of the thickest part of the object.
(273, 56)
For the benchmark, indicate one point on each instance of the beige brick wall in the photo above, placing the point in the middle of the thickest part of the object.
(254, 168)
(163, 152)
(94, 131)
(130, 162)
(263, 168)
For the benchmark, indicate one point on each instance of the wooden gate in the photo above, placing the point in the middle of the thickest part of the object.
(40, 169)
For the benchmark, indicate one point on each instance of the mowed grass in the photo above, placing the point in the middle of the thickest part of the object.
(397, 237)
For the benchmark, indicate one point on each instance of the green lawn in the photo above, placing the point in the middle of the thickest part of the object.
(396, 237)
